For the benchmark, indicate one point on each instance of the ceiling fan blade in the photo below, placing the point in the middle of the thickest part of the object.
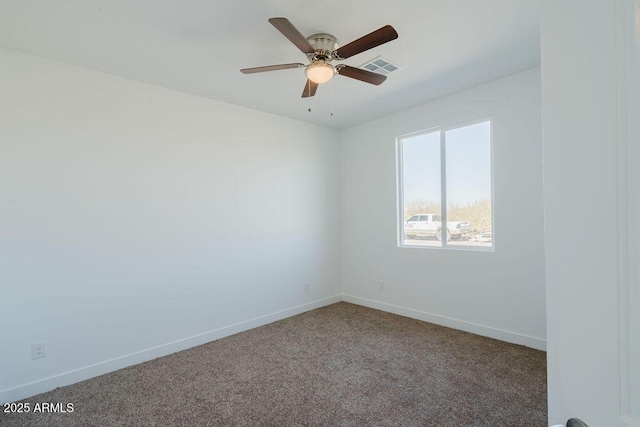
(270, 68)
(289, 31)
(309, 89)
(360, 74)
(371, 40)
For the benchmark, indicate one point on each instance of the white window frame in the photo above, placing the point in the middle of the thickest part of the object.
(443, 174)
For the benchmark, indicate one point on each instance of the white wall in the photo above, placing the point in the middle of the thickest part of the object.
(633, 180)
(499, 294)
(591, 180)
(138, 219)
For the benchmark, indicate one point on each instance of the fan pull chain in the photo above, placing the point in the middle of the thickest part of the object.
(331, 84)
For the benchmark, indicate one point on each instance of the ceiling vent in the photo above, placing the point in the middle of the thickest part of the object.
(380, 65)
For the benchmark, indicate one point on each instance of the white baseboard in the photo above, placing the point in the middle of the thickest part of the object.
(91, 371)
(474, 328)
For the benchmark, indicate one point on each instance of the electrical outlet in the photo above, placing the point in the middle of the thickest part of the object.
(381, 286)
(38, 350)
(307, 287)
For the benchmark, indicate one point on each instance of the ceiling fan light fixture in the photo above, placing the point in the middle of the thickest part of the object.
(320, 72)
(322, 48)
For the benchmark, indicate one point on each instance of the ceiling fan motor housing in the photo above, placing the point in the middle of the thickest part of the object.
(324, 45)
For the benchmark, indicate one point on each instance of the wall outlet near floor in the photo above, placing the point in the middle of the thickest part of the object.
(307, 287)
(38, 351)
(381, 286)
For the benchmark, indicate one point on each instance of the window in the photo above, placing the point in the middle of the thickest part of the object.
(450, 167)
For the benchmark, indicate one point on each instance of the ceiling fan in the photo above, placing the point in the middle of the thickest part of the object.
(323, 48)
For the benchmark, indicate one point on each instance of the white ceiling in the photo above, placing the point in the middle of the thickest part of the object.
(198, 46)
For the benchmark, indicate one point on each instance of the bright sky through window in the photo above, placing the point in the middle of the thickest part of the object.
(466, 160)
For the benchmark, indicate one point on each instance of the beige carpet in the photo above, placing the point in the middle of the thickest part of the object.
(341, 365)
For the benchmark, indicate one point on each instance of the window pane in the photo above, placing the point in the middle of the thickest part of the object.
(468, 180)
(421, 187)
